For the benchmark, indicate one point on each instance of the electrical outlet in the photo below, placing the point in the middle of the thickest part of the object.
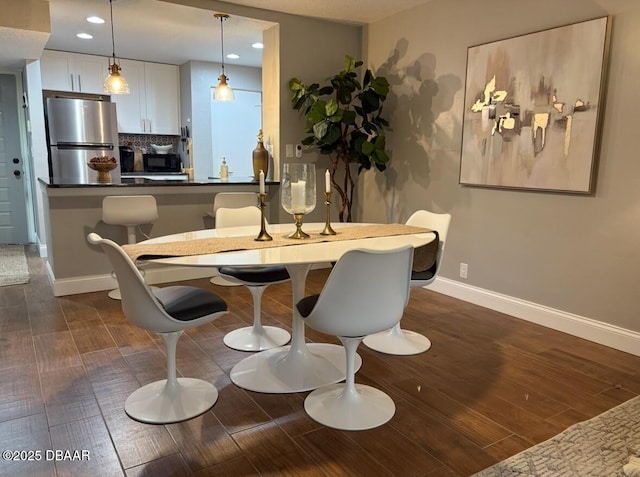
(464, 270)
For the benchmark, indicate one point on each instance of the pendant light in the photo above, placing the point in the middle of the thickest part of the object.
(223, 91)
(115, 82)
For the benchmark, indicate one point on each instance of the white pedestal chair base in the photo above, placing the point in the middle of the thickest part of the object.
(249, 339)
(399, 342)
(335, 407)
(156, 403)
(256, 337)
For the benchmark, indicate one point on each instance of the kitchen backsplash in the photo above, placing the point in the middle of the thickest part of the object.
(144, 141)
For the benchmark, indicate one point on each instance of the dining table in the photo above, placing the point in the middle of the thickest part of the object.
(298, 366)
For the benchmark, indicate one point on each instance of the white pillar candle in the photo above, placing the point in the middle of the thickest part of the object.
(262, 181)
(298, 202)
(327, 182)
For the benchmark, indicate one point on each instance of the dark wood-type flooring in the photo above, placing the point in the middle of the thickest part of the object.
(490, 386)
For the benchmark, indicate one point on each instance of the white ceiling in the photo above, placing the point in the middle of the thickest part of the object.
(153, 30)
(164, 32)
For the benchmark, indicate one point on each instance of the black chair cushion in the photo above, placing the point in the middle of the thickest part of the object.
(257, 274)
(189, 303)
(306, 305)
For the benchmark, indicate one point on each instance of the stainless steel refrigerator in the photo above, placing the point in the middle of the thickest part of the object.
(79, 129)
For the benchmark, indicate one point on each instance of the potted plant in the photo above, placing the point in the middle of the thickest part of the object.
(344, 120)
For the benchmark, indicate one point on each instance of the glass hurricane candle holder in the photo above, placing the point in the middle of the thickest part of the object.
(298, 193)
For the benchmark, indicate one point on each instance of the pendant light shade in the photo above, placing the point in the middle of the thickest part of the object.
(223, 91)
(115, 82)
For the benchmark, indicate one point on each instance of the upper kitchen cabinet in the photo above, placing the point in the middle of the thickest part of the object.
(74, 72)
(153, 106)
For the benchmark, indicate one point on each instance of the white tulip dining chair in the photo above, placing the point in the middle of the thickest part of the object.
(398, 341)
(231, 200)
(130, 211)
(256, 337)
(166, 311)
(365, 292)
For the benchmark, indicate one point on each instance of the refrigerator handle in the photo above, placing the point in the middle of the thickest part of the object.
(85, 146)
(79, 83)
(72, 85)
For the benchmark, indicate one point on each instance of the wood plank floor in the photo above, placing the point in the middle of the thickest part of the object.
(490, 386)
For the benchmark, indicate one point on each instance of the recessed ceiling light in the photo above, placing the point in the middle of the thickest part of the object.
(232, 56)
(95, 19)
(258, 45)
(84, 36)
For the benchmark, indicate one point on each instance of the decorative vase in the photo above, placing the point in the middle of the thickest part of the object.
(260, 158)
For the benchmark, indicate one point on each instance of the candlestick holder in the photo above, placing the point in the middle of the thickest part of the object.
(263, 236)
(327, 226)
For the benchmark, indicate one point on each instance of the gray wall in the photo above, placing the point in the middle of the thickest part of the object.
(577, 254)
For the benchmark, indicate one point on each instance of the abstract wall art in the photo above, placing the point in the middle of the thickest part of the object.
(532, 109)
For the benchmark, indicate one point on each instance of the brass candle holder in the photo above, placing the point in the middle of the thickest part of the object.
(263, 236)
(298, 234)
(327, 226)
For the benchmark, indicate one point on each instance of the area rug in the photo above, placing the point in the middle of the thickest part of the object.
(13, 265)
(599, 447)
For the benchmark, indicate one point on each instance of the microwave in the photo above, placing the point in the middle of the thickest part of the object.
(161, 163)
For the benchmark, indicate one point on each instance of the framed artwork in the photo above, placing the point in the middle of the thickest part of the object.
(532, 109)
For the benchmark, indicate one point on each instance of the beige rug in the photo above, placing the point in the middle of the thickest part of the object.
(599, 447)
(13, 265)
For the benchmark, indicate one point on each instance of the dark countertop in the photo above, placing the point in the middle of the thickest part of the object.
(140, 182)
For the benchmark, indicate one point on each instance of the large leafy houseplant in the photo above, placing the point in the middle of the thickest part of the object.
(344, 120)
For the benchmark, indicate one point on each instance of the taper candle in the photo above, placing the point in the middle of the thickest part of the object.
(262, 181)
(327, 181)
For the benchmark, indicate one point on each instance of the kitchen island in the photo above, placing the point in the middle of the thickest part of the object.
(74, 210)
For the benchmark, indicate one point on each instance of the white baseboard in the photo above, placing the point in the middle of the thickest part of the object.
(89, 284)
(580, 326)
(42, 248)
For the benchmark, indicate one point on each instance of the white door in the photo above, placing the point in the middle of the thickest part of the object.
(234, 136)
(13, 199)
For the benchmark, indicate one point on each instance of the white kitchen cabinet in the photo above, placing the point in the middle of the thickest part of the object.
(63, 71)
(153, 106)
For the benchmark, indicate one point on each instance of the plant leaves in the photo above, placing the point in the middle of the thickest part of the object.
(349, 63)
(331, 108)
(317, 112)
(320, 129)
(381, 86)
(348, 117)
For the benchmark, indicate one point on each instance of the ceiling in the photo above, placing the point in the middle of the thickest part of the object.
(158, 31)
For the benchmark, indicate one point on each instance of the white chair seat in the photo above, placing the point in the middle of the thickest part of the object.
(256, 337)
(167, 311)
(366, 292)
(397, 341)
(230, 200)
(129, 211)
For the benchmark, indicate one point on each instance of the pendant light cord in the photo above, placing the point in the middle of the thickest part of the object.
(113, 41)
(222, 41)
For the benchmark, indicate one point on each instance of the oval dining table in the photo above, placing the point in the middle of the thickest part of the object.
(298, 366)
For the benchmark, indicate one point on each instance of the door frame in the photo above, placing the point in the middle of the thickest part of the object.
(25, 152)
